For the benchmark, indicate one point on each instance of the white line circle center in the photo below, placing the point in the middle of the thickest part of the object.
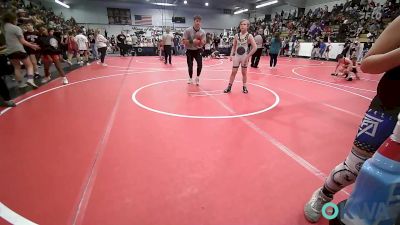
(137, 102)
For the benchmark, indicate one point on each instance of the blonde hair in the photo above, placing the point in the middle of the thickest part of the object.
(245, 20)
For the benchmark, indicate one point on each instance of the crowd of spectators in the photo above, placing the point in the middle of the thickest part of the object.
(347, 20)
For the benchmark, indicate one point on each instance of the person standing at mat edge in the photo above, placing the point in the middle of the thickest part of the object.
(240, 52)
(377, 124)
(194, 38)
(15, 43)
(101, 44)
(255, 59)
(167, 41)
(274, 49)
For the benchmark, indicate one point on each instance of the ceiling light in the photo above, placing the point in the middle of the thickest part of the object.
(206, 4)
(185, 2)
(62, 3)
(266, 4)
(164, 4)
(241, 11)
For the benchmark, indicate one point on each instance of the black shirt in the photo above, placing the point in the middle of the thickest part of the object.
(57, 35)
(216, 41)
(31, 37)
(91, 39)
(49, 45)
(121, 39)
(367, 46)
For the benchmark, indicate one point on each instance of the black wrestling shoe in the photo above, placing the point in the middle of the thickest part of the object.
(245, 90)
(228, 89)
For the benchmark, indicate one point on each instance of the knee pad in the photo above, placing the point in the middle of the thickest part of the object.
(345, 173)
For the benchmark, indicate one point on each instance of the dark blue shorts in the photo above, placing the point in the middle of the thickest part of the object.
(374, 129)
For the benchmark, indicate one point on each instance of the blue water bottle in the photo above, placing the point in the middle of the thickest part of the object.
(375, 199)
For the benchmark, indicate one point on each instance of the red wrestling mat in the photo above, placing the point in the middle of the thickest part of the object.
(132, 143)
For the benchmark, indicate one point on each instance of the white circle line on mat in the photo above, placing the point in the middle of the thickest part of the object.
(137, 102)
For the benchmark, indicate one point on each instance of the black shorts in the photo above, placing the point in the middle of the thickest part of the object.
(18, 55)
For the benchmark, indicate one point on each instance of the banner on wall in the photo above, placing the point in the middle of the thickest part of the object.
(177, 19)
(143, 20)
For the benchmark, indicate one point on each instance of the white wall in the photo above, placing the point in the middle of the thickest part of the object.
(92, 12)
(306, 49)
(336, 49)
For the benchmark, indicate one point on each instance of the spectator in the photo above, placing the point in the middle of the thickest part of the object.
(315, 50)
(50, 51)
(346, 48)
(83, 48)
(295, 48)
(129, 44)
(167, 42)
(15, 43)
(322, 48)
(72, 46)
(93, 47)
(101, 45)
(121, 43)
(31, 36)
(134, 42)
(327, 50)
(5, 70)
(274, 50)
(366, 48)
(255, 59)
(176, 44)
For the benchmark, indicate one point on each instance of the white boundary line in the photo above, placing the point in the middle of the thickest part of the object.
(305, 80)
(185, 67)
(100, 148)
(326, 82)
(13, 217)
(153, 71)
(284, 149)
(322, 84)
(205, 94)
(343, 110)
(137, 102)
(205, 91)
(324, 104)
